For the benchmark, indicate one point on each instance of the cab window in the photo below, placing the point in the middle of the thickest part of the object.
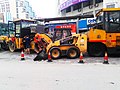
(112, 21)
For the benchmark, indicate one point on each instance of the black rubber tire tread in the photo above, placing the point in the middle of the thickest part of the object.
(4, 46)
(75, 49)
(96, 49)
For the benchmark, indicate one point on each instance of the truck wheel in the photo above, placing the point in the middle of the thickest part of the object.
(11, 46)
(96, 49)
(4, 46)
(55, 53)
(73, 53)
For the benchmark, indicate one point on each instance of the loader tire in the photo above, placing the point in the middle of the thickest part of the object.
(55, 53)
(73, 53)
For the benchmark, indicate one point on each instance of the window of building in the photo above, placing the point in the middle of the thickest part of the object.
(68, 9)
(76, 6)
(17, 16)
(7, 10)
(3, 9)
(88, 3)
(17, 10)
(23, 10)
(21, 4)
(98, 1)
(111, 6)
(27, 15)
(16, 4)
(85, 4)
(63, 12)
(2, 5)
(7, 4)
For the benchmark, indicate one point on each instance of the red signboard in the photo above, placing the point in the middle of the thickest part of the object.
(71, 26)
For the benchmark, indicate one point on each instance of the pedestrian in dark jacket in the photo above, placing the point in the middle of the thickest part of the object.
(26, 42)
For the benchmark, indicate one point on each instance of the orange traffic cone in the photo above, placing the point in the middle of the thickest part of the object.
(105, 59)
(81, 58)
(22, 55)
(49, 57)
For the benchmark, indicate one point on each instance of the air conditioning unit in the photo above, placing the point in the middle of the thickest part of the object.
(79, 10)
(91, 6)
(96, 5)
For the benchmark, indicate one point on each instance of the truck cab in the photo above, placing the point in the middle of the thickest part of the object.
(17, 30)
(105, 35)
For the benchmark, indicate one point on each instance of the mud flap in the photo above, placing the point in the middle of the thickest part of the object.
(41, 56)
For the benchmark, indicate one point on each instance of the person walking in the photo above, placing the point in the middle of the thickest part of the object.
(26, 43)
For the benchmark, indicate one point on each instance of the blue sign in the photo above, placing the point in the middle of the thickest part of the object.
(82, 24)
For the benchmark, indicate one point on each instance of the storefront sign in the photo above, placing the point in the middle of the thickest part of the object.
(91, 21)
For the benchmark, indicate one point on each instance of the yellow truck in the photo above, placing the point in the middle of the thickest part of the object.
(4, 36)
(19, 29)
(3, 42)
(105, 34)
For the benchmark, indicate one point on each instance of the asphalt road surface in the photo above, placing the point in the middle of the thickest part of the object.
(62, 74)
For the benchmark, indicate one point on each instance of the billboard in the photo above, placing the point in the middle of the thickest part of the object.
(84, 23)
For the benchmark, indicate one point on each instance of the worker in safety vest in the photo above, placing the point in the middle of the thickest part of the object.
(37, 38)
(39, 47)
(38, 43)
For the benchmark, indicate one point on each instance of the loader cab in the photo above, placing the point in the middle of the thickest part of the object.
(20, 28)
(60, 33)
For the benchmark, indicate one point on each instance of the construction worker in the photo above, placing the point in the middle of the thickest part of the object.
(37, 40)
(26, 43)
(40, 47)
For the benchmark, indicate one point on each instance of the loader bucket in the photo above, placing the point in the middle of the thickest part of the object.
(42, 55)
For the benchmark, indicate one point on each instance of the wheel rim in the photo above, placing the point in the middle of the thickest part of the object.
(12, 47)
(72, 53)
(55, 53)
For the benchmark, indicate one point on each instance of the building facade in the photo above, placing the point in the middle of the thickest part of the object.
(83, 7)
(5, 13)
(15, 9)
(77, 7)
